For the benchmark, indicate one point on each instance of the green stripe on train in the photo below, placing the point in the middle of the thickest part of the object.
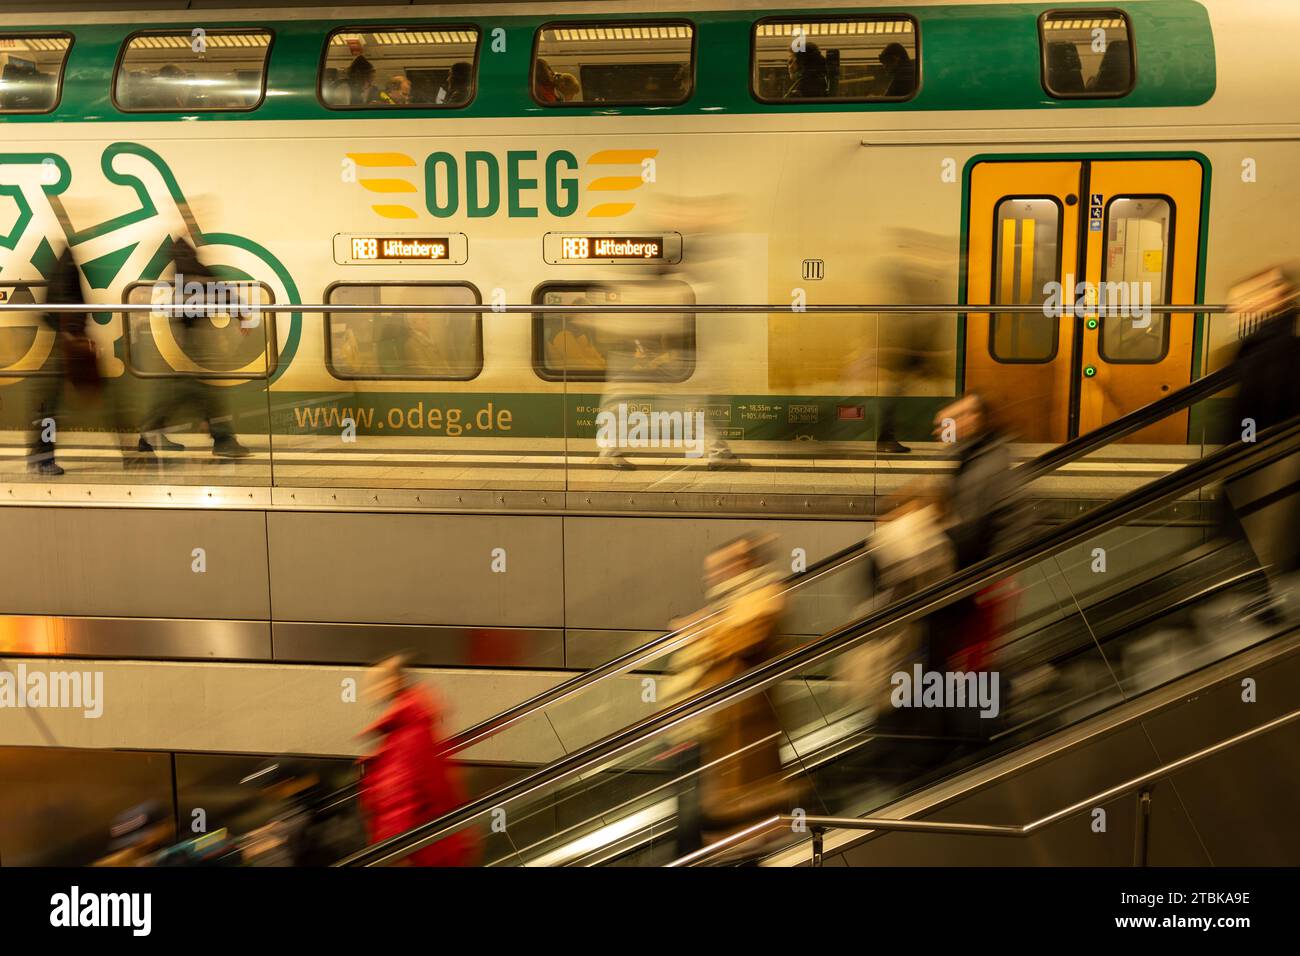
(524, 415)
(980, 57)
(532, 415)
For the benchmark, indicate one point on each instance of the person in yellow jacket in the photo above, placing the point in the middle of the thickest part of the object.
(741, 780)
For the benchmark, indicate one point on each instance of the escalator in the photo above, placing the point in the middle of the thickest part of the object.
(1090, 634)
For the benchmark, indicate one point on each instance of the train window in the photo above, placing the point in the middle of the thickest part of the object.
(239, 344)
(848, 59)
(192, 71)
(1087, 54)
(1136, 273)
(31, 72)
(612, 346)
(1025, 261)
(393, 67)
(646, 63)
(445, 346)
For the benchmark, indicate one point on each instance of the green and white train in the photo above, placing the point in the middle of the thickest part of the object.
(941, 151)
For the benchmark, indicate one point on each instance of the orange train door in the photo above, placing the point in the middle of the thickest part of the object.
(1124, 233)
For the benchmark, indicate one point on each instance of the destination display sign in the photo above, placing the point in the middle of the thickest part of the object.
(365, 248)
(574, 248)
(451, 249)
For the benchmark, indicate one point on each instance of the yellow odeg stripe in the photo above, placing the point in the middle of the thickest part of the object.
(621, 157)
(615, 183)
(388, 185)
(381, 159)
(616, 157)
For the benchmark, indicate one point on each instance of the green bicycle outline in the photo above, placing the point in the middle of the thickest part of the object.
(44, 258)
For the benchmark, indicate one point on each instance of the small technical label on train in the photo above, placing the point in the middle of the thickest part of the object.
(759, 412)
(803, 414)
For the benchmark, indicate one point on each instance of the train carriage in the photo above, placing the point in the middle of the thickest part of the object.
(972, 153)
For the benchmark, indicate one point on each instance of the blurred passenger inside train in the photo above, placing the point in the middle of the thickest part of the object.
(460, 83)
(740, 780)
(23, 88)
(1064, 68)
(361, 82)
(137, 835)
(681, 85)
(397, 91)
(544, 83)
(1115, 72)
(900, 70)
(334, 90)
(406, 780)
(172, 90)
(568, 87)
(809, 74)
(195, 333)
(72, 362)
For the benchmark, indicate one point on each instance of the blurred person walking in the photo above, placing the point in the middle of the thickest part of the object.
(72, 361)
(983, 515)
(740, 746)
(1268, 394)
(194, 334)
(308, 825)
(406, 781)
(137, 835)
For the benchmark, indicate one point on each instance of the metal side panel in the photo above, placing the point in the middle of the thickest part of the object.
(281, 708)
(426, 645)
(1245, 794)
(470, 570)
(133, 637)
(1078, 841)
(134, 562)
(1243, 801)
(640, 573)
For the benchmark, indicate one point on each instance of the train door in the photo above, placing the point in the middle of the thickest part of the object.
(1125, 233)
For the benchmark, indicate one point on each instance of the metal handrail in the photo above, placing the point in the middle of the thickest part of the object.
(657, 647)
(1275, 443)
(816, 825)
(1078, 309)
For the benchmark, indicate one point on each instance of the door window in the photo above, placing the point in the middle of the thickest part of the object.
(1026, 259)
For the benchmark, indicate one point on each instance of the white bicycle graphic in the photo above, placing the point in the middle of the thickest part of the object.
(120, 259)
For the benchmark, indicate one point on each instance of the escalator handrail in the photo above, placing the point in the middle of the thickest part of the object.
(884, 824)
(1133, 422)
(1270, 445)
(657, 647)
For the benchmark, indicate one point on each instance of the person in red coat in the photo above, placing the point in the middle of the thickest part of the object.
(406, 780)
